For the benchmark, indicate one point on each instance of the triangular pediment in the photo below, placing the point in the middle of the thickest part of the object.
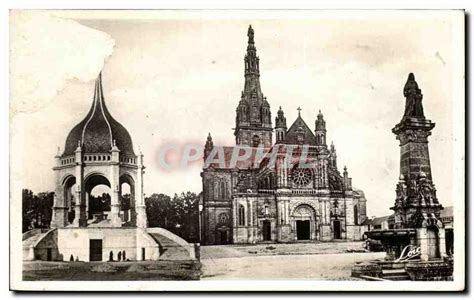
(300, 126)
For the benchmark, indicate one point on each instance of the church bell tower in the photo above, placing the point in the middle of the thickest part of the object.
(253, 117)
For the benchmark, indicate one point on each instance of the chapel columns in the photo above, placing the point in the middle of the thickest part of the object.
(80, 218)
(140, 209)
(115, 188)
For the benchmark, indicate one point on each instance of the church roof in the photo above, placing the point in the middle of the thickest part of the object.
(380, 220)
(98, 131)
(246, 164)
(300, 125)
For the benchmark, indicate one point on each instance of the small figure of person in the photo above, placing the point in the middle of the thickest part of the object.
(119, 256)
(111, 256)
(123, 255)
(71, 258)
(77, 258)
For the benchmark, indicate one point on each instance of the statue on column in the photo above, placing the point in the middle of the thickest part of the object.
(250, 35)
(413, 95)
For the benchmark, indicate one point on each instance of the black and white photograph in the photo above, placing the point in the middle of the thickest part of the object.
(184, 150)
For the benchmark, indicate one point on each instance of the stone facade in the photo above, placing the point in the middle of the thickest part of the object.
(295, 192)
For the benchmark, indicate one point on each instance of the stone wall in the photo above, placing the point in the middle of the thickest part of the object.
(414, 158)
(430, 271)
(75, 242)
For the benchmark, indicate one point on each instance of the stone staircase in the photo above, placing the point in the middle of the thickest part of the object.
(381, 271)
(169, 250)
(171, 246)
(30, 239)
(395, 274)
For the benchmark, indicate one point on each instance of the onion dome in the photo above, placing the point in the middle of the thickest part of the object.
(99, 131)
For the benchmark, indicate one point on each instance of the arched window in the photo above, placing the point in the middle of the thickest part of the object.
(241, 215)
(222, 194)
(300, 137)
(255, 141)
(356, 215)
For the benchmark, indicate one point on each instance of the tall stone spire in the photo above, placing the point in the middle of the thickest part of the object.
(252, 70)
(253, 116)
(251, 59)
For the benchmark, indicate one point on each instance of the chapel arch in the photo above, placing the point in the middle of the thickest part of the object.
(69, 196)
(98, 193)
(127, 198)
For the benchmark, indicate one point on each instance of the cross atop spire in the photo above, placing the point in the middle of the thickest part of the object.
(299, 111)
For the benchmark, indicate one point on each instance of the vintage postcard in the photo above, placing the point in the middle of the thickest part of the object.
(224, 150)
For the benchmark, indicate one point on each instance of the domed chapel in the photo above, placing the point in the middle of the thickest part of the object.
(99, 157)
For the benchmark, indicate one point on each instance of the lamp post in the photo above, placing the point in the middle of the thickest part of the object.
(200, 221)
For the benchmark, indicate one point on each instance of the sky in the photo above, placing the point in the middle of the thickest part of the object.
(174, 76)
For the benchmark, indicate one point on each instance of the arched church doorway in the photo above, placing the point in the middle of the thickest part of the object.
(303, 230)
(304, 223)
(223, 235)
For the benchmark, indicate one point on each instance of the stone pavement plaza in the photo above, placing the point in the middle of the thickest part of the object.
(316, 261)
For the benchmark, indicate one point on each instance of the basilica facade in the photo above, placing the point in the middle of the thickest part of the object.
(283, 191)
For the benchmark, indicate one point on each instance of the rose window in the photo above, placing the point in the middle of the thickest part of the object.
(302, 177)
(223, 218)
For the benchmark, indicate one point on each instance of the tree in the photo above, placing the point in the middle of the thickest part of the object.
(179, 214)
(100, 203)
(36, 209)
(159, 210)
(187, 216)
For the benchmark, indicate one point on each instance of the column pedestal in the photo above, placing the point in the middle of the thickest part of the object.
(59, 217)
(141, 216)
(115, 215)
(79, 216)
